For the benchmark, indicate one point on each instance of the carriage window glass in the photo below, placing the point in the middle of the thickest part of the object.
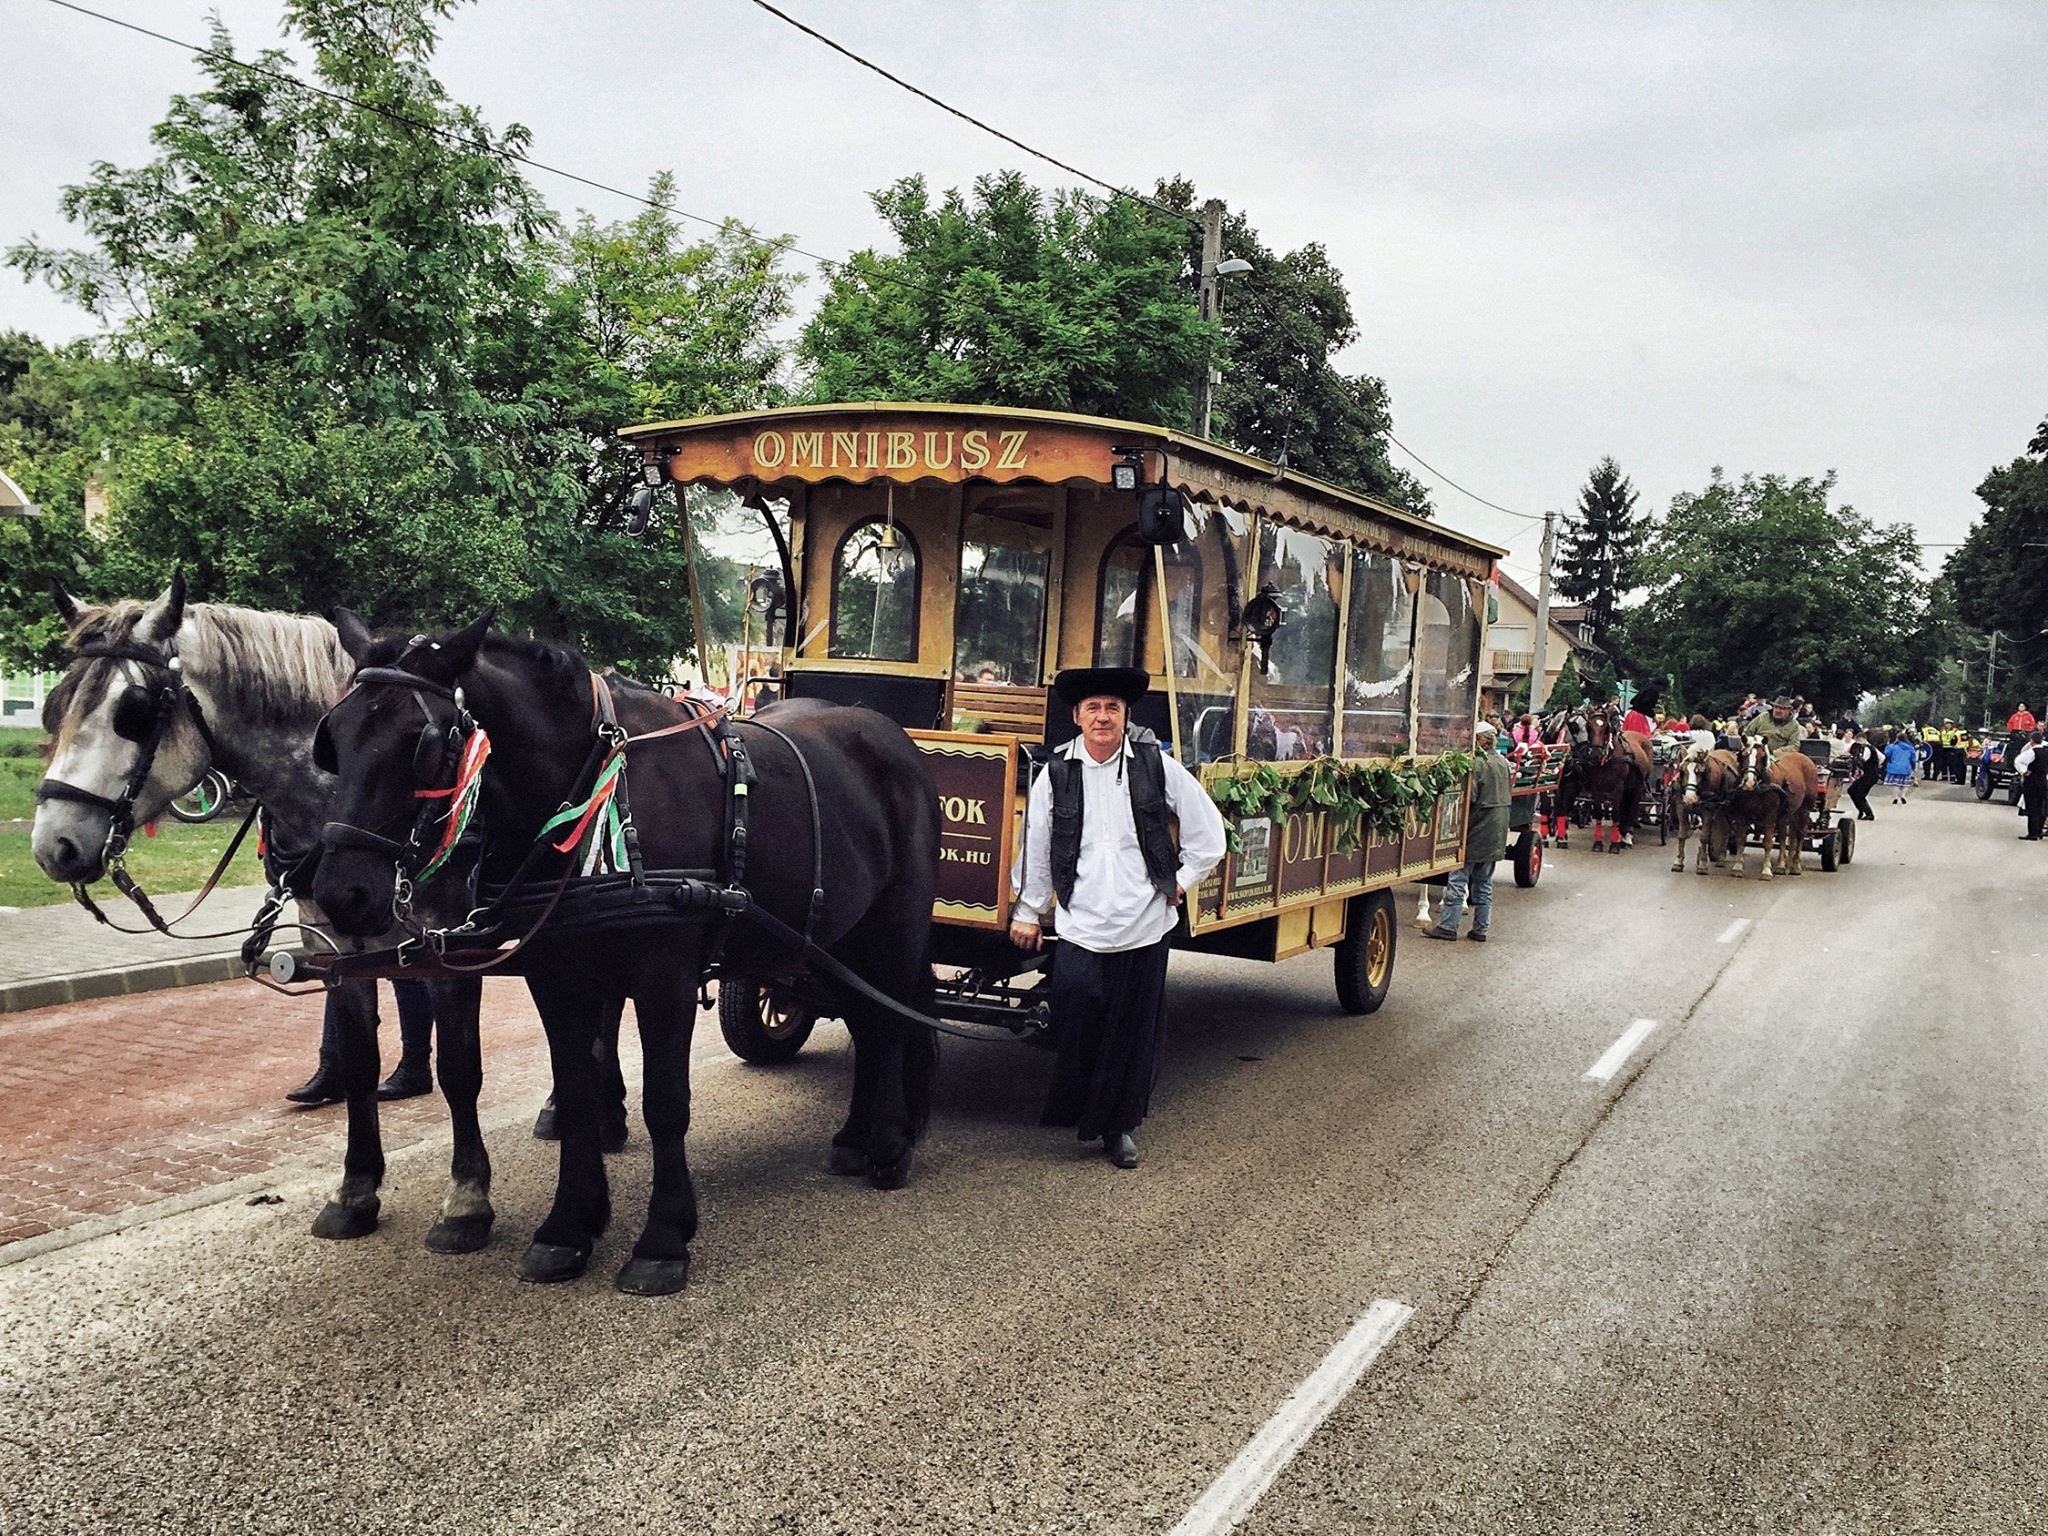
(999, 627)
(1203, 571)
(1124, 618)
(1377, 669)
(1294, 694)
(874, 594)
(1446, 663)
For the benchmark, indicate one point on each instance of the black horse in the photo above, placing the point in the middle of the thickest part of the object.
(874, 835)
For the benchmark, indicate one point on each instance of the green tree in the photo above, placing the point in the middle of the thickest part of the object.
(1282, 395)
(1600, 553)
(1007, 296)
(1762, 584)
(1567, 692)
(367, 365)
(1999, 577)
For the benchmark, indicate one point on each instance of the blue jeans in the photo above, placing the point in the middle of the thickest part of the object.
(415, 1021)
(1476, 881)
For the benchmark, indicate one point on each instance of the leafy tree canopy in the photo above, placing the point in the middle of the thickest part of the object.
(1282, 397)
(1010, 296)
(1760, 584)
(1999, 576)
(365, 364)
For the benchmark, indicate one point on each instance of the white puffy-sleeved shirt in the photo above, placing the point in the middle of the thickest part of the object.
(1115, 907)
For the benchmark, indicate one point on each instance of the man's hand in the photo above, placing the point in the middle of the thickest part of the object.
(1027, 935)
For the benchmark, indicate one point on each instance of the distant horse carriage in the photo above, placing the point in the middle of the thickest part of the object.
(1785, 805)
(1607, 774)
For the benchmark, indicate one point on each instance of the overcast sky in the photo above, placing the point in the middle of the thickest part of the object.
(1786, 238)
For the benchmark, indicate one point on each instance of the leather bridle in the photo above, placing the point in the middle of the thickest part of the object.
(142, 714)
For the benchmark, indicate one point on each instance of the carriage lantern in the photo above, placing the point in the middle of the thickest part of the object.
(1260, 621)
(1128, 472)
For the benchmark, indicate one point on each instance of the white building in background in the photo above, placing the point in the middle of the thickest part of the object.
(1511, 642)
(12, 502)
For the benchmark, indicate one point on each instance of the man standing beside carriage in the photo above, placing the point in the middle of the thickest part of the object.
(1099, 840)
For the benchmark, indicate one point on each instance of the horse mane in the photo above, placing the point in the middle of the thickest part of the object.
(269, 669)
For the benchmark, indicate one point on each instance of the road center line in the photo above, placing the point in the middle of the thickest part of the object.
(1241, 1484)
(1733, 931)
(1619, 1052)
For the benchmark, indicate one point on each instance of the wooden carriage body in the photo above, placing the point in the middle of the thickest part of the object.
(945, 562)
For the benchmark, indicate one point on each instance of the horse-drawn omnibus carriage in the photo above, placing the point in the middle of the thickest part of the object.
(942, 563)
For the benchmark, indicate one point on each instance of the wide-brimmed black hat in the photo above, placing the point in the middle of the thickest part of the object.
(1078, 683)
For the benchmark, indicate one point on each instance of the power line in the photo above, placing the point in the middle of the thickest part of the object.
(1447, 480)
(967, 117)
(481, 144)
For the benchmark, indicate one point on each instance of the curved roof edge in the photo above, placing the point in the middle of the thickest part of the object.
(1180, 443)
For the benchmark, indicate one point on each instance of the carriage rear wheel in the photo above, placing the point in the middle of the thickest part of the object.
(1830, 848)
(1984, 783)
(1365, 955)
(760, 1025)
(1848, 833)
(1528, 859)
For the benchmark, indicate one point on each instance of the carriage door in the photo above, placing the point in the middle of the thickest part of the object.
(1000, 619)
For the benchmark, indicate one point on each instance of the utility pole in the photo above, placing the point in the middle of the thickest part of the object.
(1539, 684)
(1212, 306)
(1991, 678)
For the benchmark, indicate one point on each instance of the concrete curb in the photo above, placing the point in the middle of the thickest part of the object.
(119, 981)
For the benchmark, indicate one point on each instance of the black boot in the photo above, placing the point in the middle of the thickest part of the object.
(1121, 1150)
(323, 1087)
(408, 1080)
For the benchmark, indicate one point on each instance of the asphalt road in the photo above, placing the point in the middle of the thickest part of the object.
(1781, 1271)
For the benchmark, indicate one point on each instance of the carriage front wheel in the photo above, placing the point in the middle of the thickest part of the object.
(760, 1025)
(1528, 859)
(1365, 955)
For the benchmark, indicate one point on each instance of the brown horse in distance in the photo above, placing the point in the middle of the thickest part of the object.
(1775, 795)
(1609, 766)
(1699, 798)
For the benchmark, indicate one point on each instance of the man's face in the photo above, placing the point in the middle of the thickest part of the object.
(1101, 721)
(1781, 713)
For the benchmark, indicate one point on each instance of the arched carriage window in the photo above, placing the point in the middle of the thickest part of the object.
(1127, 609)
(875, 594)
(1447, 631)
(1293, 694)
(1378, 661)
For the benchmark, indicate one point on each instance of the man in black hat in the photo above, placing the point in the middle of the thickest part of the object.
(1099, 839)
(1778, 730)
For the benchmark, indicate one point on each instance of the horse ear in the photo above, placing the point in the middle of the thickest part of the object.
(160, 621)
(355, 635)
(67, 605)
(455, 653)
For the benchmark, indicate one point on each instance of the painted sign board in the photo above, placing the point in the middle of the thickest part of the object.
(898, 445)
(976, 776)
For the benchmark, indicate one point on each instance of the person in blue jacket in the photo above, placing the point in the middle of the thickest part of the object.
(1898, 768)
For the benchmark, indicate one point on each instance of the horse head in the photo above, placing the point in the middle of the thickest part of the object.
(127, 734)
(398, 743)
(1756, 764)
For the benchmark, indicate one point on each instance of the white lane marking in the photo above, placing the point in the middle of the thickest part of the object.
(1610, 1062)
(1733, 931)
(1241, 1484)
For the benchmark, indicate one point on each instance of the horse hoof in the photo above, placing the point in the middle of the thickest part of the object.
(460, 1234)
(1678, 868)
(341, 1222)
(846, 1161)
(544, 1123)
(891, 1175)
(552, 1263)
(653, 1277)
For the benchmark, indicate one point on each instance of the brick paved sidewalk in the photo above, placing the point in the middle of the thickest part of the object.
(59, 954)
(110, 1104)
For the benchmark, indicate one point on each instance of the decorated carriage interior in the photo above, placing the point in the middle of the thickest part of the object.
(949, 561)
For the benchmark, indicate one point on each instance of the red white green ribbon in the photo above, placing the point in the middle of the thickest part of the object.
(462, 797)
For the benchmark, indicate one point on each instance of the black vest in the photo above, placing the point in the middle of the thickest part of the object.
(1151, 812)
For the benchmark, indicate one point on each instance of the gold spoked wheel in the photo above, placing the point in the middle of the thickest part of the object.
(1379, 949)
(1365, 955)
(759, 1024)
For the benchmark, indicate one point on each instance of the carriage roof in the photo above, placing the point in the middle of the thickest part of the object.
(904, 443)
